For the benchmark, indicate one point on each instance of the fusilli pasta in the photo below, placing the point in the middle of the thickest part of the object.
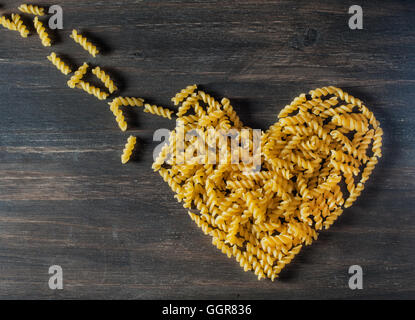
(128, 150)
(105, 78)
(59, 64)
(129, 101)
(160, 111)
(7, 23)
(83, 41)
(179, 97)
(263, 218)
(87, 87)
(119, 117)
(41, 30)
(20, 25)
(78, 75)
(32, 9)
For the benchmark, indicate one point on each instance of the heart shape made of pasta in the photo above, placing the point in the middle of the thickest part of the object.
(314, 162)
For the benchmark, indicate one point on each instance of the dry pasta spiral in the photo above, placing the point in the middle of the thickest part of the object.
(160, 111)
(90, 89)
(83, 41)
(119, 117)
(32, 9)
(183, 94)
(59, 64)
(7, 23)
(20, 25)
(129, 101)
(41, 30)
(128, 150)
(78, 75)
(105, 78)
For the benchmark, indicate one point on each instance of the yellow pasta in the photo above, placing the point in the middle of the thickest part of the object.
(78, 75)
(128, 150)
(123, 101)
(32, 9)
(105, 78)
(8, 24)
(160, 111)
(83, 41)
(263, 218)
(59, 64)
(129, 101)
(191, 102)
(41, 30)
(179, 97)
(261, 215)
(20, 25)
(87, 87)
(119, 117)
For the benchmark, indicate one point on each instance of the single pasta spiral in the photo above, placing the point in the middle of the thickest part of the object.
(32, 9)
(41, 30)
(8, 24)
(128, 150)
(350, 122)
(20, 25)
(160, 111)
(123, 101)
(83, 41)
(87, 87)
(183, 94)
(109, 84)
(129, 101)
(119, 117)
(59, 64)
(79, 74)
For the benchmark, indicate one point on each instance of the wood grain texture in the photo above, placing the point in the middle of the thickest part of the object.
(115, 229)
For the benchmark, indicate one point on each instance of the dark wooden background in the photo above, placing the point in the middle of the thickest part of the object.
(115, 229)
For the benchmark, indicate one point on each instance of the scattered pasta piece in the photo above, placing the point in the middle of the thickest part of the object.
(20, 25)
(119, 117)
(129, 101)
(78, 75)
(7, 23)
(183, 94)
(83, 41)
(123, 101)
(32, 9)
(160, 111)
(105, 78)
(128, 150)
(59, 64)
(87, 87)
(41, 30)
(264, 217)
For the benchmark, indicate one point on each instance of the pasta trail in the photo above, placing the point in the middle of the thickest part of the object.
(315, 160)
